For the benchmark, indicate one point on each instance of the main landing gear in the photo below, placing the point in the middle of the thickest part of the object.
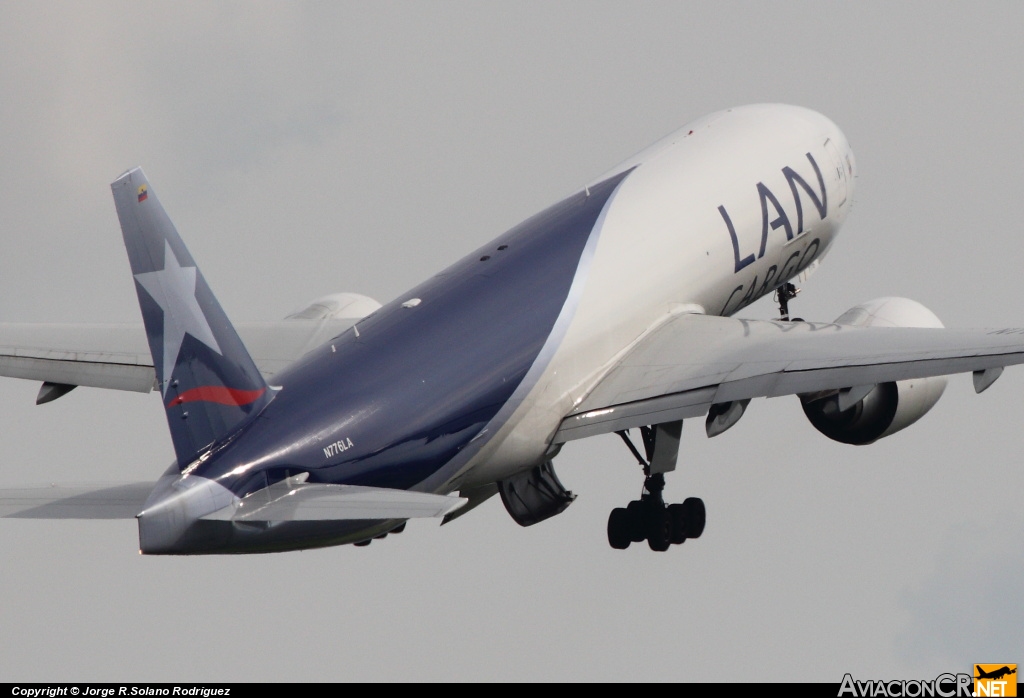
(649, 518)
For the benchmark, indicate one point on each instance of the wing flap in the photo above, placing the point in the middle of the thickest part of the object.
(117, 357)
(99, 356)
(289, 501)
(94, 374)
(680, 369)
(108, 501)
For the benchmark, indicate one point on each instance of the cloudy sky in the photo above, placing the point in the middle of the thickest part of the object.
(305, 149)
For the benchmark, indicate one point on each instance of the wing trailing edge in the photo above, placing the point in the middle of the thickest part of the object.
(691, 362)
(116, 357)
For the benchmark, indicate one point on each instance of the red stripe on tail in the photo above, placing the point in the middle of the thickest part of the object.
(218, 394)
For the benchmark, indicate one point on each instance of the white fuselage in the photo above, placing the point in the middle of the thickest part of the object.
(713, 217)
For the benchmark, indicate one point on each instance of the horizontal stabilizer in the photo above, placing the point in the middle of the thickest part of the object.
(290, 501)
(95, 501)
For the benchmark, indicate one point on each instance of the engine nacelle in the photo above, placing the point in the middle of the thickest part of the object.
(337, 306)
(888, 407)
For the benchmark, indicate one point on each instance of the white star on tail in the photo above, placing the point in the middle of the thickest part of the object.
(174, 290)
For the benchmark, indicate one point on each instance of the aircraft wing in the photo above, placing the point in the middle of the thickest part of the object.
(118, 357)
(680, 369)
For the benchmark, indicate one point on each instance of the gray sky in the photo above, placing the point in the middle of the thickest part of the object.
(307, 149)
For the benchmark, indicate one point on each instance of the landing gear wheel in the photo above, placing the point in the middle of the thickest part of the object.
(648, 518)
(695, 516)
(677, 521)
(619, 529)
(637, 530)
(659, 530)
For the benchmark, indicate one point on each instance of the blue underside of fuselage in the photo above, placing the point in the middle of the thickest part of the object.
(393, 405)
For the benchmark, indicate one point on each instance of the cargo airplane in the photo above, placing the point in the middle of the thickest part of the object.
(611, 311)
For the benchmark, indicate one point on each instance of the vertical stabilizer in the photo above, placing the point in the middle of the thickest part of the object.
(209, 383)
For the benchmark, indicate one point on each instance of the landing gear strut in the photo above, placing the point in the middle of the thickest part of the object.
(783, 295)
(649, 518)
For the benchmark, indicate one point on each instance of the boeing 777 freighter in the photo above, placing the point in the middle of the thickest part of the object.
(611, 311)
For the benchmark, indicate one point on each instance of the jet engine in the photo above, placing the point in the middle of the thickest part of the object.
(884, 409)
(337, 306)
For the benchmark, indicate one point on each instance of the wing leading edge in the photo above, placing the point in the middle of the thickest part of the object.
(691, 362)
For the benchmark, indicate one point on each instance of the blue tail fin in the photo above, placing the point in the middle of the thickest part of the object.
(209, 383)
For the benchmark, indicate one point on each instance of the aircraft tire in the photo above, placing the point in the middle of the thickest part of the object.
(659, 531)
(677, 524)
(695, 515)
(637, 515)
(619, 529)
